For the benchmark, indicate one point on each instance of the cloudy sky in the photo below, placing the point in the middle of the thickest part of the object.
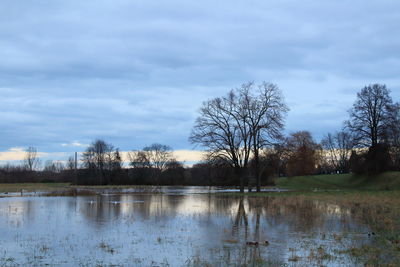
(136, 72)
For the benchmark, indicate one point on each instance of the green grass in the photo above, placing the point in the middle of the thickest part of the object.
(58, 188)
(385, 181)
(31, 187)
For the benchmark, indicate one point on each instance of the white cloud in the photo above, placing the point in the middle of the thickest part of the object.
(18, 153)
(74, 144)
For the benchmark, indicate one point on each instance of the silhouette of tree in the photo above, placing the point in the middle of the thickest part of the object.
(240, 124)
(155, 158)
(338, 147)
(31, 160)
(372, 115)
(52, 166)
(101, 158)
(265, 111)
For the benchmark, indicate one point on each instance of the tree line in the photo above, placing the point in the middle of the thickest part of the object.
(245, 144)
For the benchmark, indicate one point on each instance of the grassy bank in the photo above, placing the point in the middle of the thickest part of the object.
(385, 181)
(66, 189)
(31, 187)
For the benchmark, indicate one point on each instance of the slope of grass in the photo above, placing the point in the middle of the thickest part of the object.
(384, 181)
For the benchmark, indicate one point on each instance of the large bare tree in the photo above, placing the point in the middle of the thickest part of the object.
(31, 160)
(235, 127)
(265, 111)
(372, 115)
(219, 129)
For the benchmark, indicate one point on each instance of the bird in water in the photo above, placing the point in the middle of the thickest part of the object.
(256, 243)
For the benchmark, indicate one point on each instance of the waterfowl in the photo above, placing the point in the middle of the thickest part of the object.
(252, 243)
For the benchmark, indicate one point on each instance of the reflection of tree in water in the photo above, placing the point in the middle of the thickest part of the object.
(299, 214)
(226, 223)
(249, 215)
(105, 208)
(250, 253)
(243, 230)
(156, 207)
(274, 219)
(241, 220)
(100, 209)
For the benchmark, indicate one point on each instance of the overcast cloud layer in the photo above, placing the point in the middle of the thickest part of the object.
(136, 72)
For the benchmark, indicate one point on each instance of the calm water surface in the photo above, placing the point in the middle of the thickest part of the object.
(175, 229)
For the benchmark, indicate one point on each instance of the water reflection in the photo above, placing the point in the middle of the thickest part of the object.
(183, 229)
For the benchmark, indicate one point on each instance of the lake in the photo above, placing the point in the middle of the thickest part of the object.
(178, 227)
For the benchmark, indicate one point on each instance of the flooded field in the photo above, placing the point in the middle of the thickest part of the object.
(180, 228)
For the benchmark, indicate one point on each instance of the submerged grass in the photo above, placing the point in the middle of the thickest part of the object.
(379, 210)
(371, 200)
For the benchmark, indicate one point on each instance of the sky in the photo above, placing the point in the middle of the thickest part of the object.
(136, 72)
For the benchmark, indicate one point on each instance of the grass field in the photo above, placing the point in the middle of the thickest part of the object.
(385, 181)
(32, 187)
(57, 188)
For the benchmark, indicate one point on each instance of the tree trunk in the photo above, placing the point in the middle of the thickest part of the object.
(257, 173)
(257, 168)
(239, 174)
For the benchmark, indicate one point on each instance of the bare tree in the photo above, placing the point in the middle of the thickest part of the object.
(159, 155)
(71, 163)
(116, 160)
(31, 160)
(100, 157)
(155, 157)
(337, 148)
(234, 127)
(139, 159)
(371, 116)
(265, 111)
(225, 135)
(53, 166)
